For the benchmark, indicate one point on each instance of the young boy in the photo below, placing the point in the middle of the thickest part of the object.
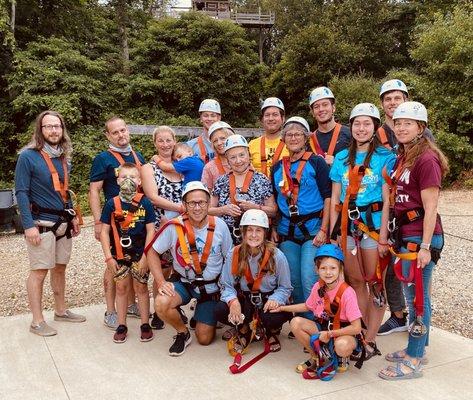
(128, 225)
(186, 163)
(329, 263)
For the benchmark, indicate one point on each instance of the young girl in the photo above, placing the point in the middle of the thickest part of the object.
(329, 263)
(417, 178)
(360, 194)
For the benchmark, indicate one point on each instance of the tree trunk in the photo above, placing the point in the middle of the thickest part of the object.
(122, 20)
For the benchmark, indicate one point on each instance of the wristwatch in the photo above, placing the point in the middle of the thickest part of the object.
(425, 246)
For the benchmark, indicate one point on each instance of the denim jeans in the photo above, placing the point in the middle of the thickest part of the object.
(302, 268)
(416, 345)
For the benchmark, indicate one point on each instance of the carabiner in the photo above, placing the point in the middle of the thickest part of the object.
(256, 299)
(71, 211)
(354, 214)
(417, 328)
(392, 225)
(125, 241)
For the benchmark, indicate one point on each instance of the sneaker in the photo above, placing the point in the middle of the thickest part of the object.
(181, 341)
(146, 333)
(120, 334)
(42, 329)
(192, 323)
(133, 311)
(110, 320)
(184, 318)
(393, 324)
(290, 335)
(156, 322)
(229, 333)
(69, 316)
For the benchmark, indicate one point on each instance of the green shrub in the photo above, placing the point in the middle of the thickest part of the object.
(459, 152)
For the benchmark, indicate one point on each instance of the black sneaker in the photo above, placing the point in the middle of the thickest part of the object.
(120, 334)
(156, 322)
(184, 318)
(393, 324)
(192, 323)
(181, 341)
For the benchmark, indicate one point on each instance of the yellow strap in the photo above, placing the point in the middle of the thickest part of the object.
(182, 242)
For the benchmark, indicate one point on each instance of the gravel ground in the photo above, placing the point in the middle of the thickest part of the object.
(453, 305)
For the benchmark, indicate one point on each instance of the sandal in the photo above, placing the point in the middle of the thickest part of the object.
(371, 350)
(311, 373)
(274, 344)
(398, 372)
(398, 356)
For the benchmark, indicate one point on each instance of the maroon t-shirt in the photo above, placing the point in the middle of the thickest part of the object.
(425, 173)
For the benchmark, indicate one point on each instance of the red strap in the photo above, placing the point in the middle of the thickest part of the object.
(291, 186)
(383, 138)
(415, 275)
(59, 187)
(203, 150)
(237, 368)
(121, 160)
(334, 140)
(173, 221)
(244, 188)
(336, 303)
(202, 262)
(314, 144)
(219, 164)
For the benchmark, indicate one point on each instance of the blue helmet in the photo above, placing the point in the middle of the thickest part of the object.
(330, 250)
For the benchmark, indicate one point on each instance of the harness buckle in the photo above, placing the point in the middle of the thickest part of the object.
(354, 214)
(125, 241)
(293, 210)
(379, 300)
(392, 225)
(70, 211)
(256, 299)
(198, 277)
(417, 328)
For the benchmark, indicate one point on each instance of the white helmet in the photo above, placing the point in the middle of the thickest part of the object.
(194, 185)
(320, 93)
(300, 121)
(235, 141)
(219, 125)
(210, 105)
(411, 110)
(393, 84)
(255, 218)
(368, 109)
(272, 102)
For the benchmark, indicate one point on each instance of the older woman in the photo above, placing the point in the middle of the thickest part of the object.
(242, 189)
(302, 189)
(255, 274)
(415, 191)
(218, 133)
(163, 189)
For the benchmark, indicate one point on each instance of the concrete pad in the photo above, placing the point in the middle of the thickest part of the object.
(82, 362)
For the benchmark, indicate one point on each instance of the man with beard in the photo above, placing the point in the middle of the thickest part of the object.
(41, 185)
(330, 137)
(103, 176)
(198, 243)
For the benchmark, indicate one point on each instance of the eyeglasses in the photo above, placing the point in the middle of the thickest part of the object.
(296, 135)
(194, 204)
(51, 127)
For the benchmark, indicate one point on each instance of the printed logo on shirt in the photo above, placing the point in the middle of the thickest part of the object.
(200, 244)
(139, 215)
(368, 179)
(404, 178)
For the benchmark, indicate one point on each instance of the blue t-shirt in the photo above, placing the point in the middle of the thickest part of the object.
(104, 168)
(34, 184)
(191, 167)
(137, 229)
(315, 187)
(208, 146)
(371, 189)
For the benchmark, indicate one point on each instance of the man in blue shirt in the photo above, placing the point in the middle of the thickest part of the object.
(41, 187)
(103, 176)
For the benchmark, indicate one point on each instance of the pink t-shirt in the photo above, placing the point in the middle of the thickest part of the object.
(350, 310)
(210, 173)
(425, 173)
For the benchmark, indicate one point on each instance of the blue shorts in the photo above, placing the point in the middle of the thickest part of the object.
(204, 312)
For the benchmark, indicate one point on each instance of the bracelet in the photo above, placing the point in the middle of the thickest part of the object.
(323, 230)
(108, 259)
(232, 301)
(383, 244)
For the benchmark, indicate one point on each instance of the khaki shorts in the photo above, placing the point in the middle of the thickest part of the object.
(50, 251)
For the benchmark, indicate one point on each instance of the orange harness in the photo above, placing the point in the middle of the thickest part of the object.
(59, 187)
(123, 241)
(253, 284)
(219, 164)
(264, 158)
(316, 148)
(291, 185)
(383, 138)
(333, 308)
(121, 160)
(203, 150)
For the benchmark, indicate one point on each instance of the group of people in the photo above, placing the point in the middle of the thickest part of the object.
(295, 226)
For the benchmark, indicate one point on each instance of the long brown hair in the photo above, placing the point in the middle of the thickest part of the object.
(415, 150)
(374, 144)
(37, 139)
(245, 253)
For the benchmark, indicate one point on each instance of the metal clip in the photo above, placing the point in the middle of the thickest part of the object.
(417, 328)
(354, 214)
(256, 299)
(392, 225)
(293, 210)
(237, 232)
(125, 241)
(379, 300)
(71, 211)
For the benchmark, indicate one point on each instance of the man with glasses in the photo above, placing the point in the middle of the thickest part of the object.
(103, 176)
(198, 244)
(47, 214)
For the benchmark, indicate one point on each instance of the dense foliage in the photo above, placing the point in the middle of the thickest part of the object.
(90, 59)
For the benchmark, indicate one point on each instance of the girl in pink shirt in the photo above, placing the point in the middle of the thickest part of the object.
(329, 263)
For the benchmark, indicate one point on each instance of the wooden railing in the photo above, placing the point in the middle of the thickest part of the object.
(189, 131)
(243, 18)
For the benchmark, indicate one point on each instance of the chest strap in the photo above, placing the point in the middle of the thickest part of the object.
(264, 158)
(219, 164)
(315, 146)
(203, 150)
(383, 138)
(121, 160)
(60, 187)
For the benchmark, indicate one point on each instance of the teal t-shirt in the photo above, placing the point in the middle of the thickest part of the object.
(371, 189)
